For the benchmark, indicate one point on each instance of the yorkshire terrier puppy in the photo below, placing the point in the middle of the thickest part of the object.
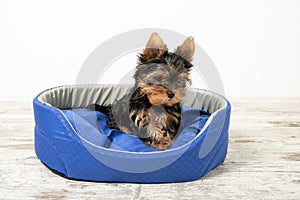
(152, 110)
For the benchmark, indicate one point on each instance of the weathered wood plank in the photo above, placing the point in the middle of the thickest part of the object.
(15, 106)
(263, 160)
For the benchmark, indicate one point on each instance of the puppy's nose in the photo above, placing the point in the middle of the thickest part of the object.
(170, 94)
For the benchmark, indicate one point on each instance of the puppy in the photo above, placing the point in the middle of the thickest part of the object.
(152, 110)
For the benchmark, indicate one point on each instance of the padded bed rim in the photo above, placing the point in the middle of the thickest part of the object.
(59, 98)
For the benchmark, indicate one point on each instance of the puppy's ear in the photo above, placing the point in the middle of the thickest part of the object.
(187, 49)
(155, 48)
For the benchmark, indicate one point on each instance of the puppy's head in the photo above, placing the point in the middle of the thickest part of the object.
(163, 76)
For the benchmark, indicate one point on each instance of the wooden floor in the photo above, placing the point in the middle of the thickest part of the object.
(263, 160)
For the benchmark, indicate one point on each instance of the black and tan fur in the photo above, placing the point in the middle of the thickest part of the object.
(151, 110)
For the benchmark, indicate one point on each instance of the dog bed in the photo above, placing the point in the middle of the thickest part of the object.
(75, 141)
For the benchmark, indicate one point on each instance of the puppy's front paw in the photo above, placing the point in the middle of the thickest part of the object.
(161, 140)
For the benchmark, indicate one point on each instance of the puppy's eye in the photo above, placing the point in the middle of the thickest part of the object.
(150, 84)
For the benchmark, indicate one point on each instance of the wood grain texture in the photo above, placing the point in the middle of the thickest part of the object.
(263, 160)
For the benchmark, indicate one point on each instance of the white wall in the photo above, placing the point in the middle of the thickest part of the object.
(255, 44)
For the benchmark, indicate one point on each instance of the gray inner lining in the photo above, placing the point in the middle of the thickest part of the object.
(81, 96)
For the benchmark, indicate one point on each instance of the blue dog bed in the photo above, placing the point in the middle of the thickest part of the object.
(75, 141)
